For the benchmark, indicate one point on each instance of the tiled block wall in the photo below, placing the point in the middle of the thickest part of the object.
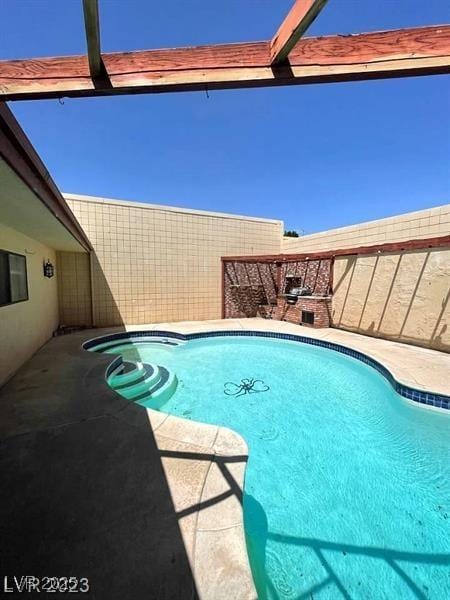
(402, 296)
(433, 222)
(154, 263)
(74, 288)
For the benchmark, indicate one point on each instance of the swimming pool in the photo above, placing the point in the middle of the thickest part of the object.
(347, 486)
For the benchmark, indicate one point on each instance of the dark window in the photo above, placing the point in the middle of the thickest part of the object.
(13, 278)
(308, 317)
(4, 279)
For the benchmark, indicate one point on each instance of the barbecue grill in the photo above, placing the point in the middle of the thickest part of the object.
(294, 294)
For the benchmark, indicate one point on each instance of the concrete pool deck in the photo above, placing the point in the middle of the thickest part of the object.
(143, 504)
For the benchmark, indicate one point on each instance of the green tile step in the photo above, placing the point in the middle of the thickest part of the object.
(146, 381)
(125, 373)
(161, 392)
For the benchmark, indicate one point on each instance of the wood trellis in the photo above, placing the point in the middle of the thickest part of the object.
(280, 263)
(287, 59)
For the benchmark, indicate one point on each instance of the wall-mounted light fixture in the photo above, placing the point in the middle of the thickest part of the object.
(49, 269)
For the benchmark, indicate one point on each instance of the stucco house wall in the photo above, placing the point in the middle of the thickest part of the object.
(26, 326)
(401, 296)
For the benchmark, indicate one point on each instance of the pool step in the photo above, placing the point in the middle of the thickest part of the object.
(162, 392)
(147, 384)
(125, 373)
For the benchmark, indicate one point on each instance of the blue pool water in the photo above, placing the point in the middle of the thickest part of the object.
(347, 488)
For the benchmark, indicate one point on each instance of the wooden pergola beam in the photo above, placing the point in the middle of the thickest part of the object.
(299, 18)
(399, 53)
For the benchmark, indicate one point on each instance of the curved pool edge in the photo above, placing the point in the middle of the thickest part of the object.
(425, 398)
(216, 546)
(217, 550)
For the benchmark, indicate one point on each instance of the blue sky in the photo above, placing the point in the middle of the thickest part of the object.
(316, 156)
